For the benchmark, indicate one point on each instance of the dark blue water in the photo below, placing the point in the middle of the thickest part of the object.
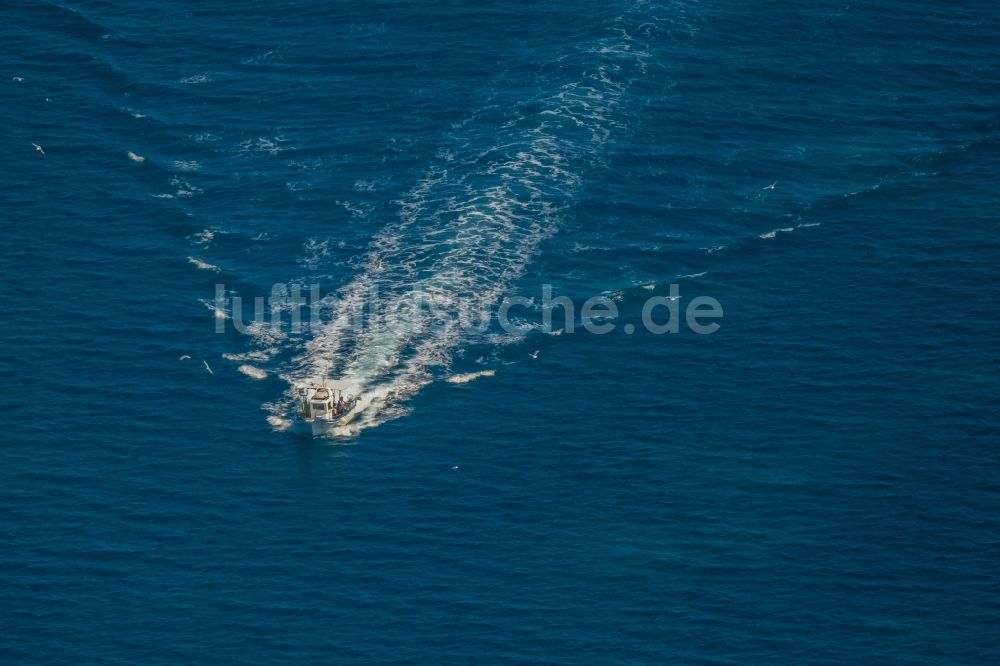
(815, 482)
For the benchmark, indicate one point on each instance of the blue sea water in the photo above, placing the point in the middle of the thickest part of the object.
(815, 482)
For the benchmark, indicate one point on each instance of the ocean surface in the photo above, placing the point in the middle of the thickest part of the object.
(816, 482)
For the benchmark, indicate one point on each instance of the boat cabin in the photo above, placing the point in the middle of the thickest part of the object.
(322, 403)
(326, 402)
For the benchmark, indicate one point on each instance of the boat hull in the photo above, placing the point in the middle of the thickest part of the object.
(323, 427)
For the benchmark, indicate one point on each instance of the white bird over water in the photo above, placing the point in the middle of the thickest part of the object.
(534, 354)
(206, 367)
(771, 186)
(38, 148)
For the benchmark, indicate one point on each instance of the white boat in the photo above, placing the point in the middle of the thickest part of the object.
(327, 405)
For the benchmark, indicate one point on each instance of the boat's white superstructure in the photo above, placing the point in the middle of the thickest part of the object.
(329, 404)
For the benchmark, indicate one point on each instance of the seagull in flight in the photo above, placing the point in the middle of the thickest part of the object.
(206, 367)
(770, 187)
(534, 354)
(38, 148)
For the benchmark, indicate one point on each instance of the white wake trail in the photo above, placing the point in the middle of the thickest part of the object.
(472, 225)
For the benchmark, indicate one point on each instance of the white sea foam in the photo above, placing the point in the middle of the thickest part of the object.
(196, 78)
(183, 187)
(262, 145)
(219, 312)
(257, 355)
(469, 376)
(264, 334)
(312, 164)
(203, 265)
(136, 158)
(279, 423)
(274, 55)
(203, 237)
(252, 371)
(278, 415)
(372, 185)
(358, 210)
(314, 252)
(775, 232)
